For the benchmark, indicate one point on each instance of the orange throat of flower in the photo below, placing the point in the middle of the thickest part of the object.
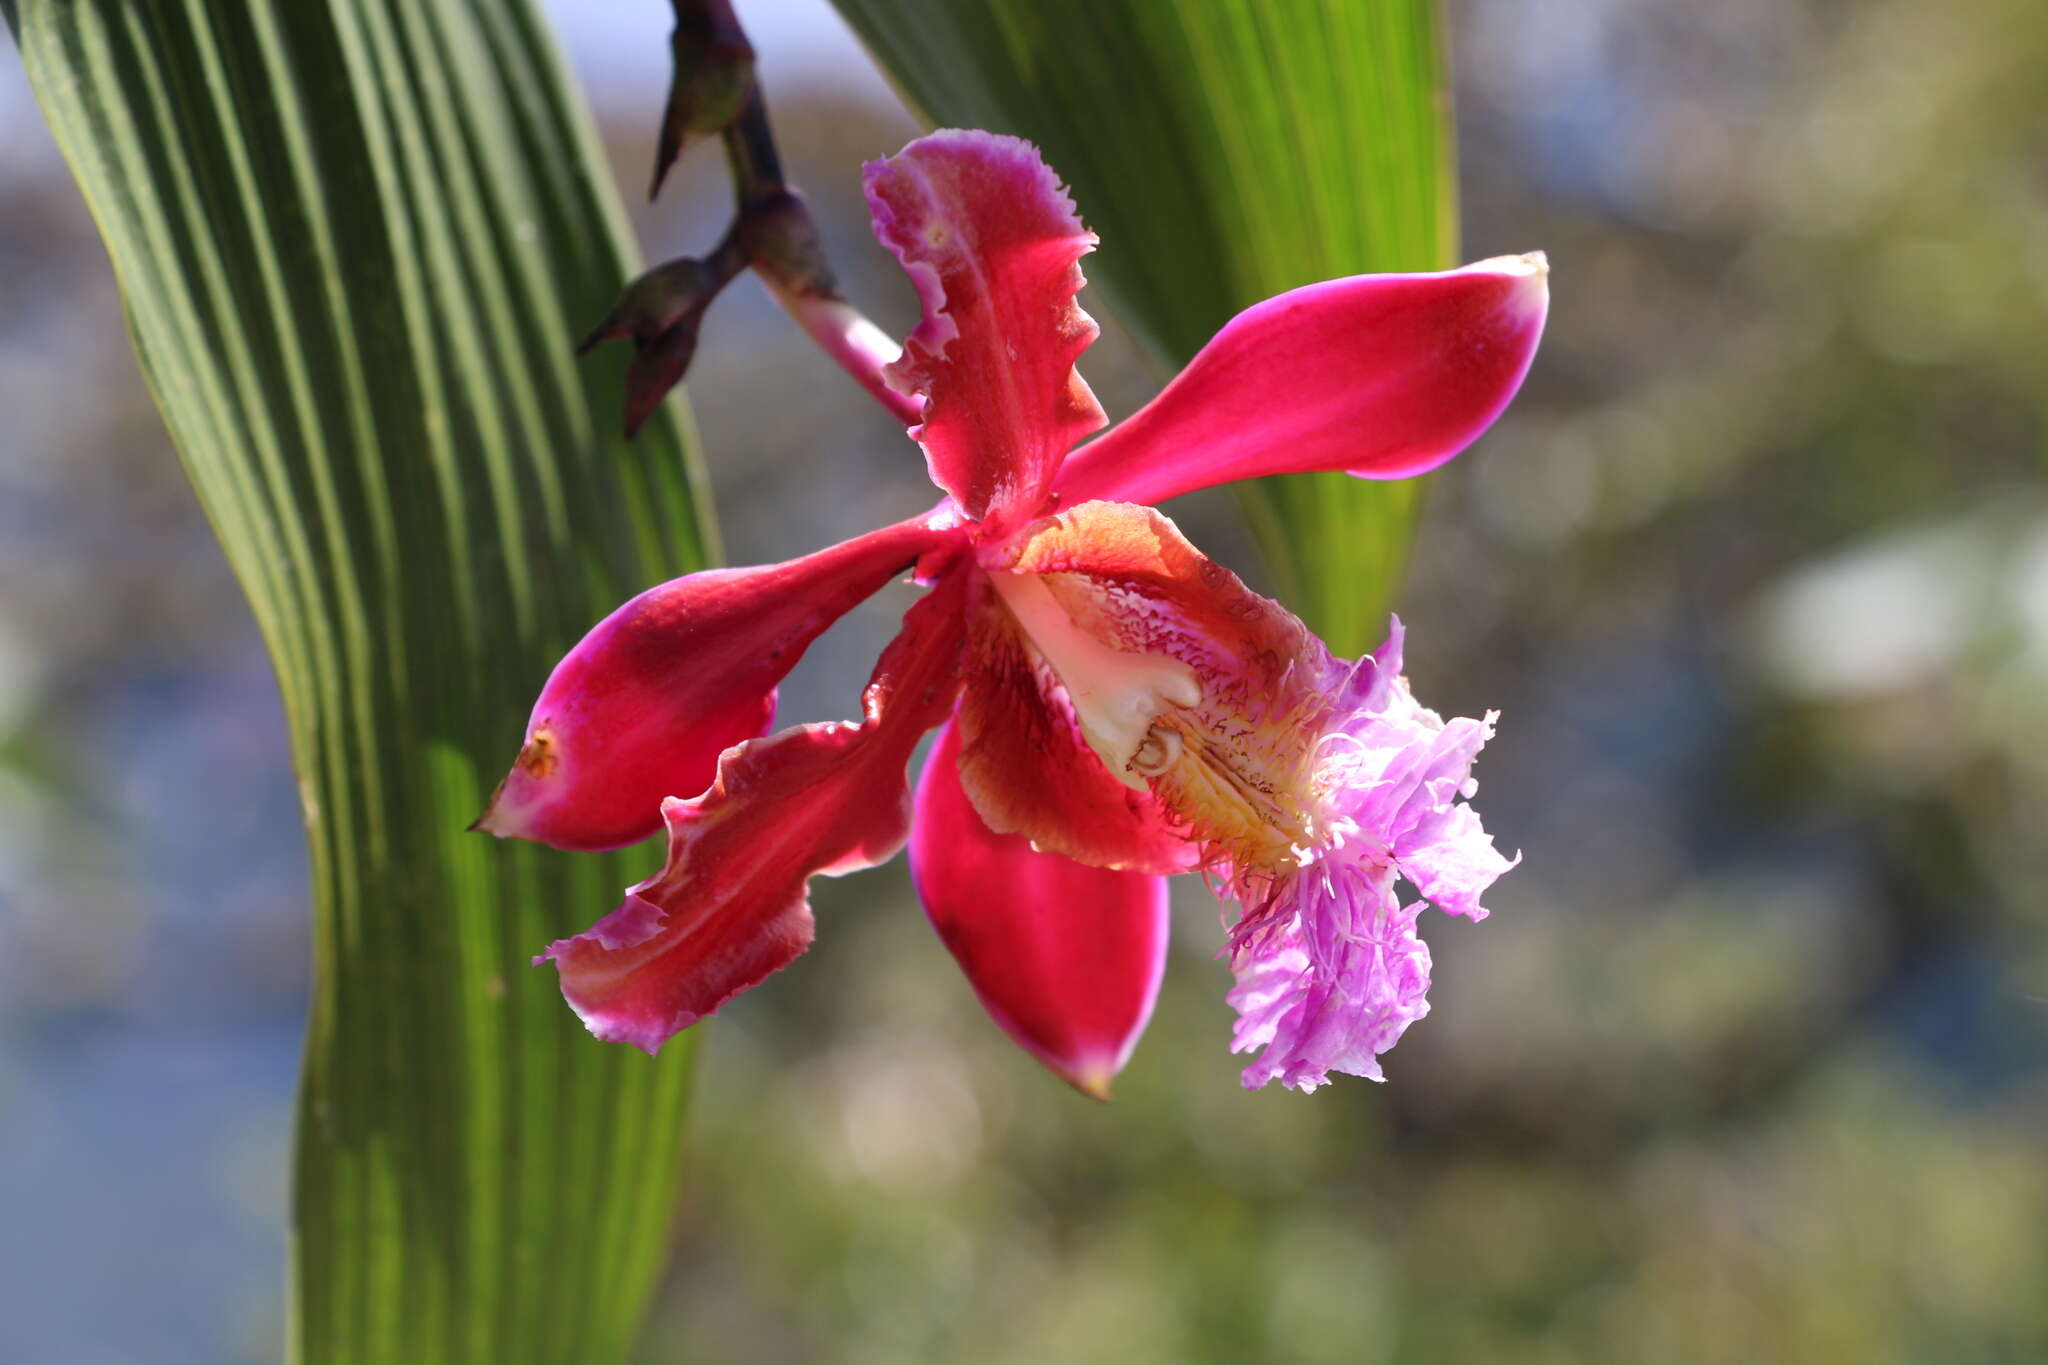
(1229, 757)
(1245, 801)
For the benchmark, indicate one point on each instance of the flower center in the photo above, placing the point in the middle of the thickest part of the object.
(1160, 750)
(1116, 695)
(1243, 793)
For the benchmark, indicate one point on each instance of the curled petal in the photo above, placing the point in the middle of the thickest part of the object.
(1129, 577)
(641, 709)
(1381, 375)
(731, 905)
(991, 240)
(1066, 958)
(1028, 768)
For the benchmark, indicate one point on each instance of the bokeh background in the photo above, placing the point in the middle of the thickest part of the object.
(1751, 1063)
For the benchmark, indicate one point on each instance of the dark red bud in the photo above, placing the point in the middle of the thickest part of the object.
(783, 245)
(714, 68)
(653, 304)
(658, 368)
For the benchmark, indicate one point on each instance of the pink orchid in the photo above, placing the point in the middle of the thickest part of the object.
(1113, 706)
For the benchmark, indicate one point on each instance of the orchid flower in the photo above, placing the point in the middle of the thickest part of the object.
(1113, 707)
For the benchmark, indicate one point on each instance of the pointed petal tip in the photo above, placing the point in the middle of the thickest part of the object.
(1531, 272)
(509, 814)
(492, 819)
(1532, 263)
(1092, 1079)
(540, 802)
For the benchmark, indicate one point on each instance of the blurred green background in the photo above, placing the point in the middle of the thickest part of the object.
(1751, 1062)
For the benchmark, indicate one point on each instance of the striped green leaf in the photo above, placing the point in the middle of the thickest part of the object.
(1225, 150)
(356, 240)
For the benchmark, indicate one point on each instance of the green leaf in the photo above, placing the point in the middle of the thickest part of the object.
(1225, 150)
(356, 240)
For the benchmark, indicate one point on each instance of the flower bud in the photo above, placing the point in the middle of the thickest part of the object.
(655, 303)
(659, 367)
(783, 246)
(714, 72)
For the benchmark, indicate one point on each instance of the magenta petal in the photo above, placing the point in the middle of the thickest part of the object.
(1066, 958)
(992, 242)
(641, 709)
(731, 905)
(1381, 375)
(859, 347)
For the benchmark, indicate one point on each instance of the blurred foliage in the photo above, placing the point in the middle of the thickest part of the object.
(355, 243)
(1749, 1063)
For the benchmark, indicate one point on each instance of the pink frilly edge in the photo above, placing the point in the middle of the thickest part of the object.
(1330, 968)
(1331, 978)
(730, 906)
(991, 241)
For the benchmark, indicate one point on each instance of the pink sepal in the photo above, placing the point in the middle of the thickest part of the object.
(641, 709)
(1066, 958)
(731, 905)
(1381, 375)
(990, 239)
(859, 347)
